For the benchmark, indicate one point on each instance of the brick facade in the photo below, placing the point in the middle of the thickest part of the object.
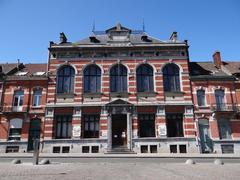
(164, 117)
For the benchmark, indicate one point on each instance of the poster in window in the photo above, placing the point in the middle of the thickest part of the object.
(76, 131)
(162, 130)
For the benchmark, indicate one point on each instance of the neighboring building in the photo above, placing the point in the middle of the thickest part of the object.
(216, 105)
(119, 90)
(23, 107)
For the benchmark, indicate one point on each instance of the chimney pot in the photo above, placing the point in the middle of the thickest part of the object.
(217, 59)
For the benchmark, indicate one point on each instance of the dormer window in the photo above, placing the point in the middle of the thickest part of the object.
(21, 73)
(93, 39)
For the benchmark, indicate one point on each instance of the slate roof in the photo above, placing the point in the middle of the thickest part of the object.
(104, 38)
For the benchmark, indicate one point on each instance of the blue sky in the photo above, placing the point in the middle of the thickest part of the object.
(27, 26)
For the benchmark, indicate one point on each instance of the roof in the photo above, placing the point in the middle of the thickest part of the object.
(232, 67)
(7, 68)
(118, 35)
(207, 70)
(30, 72)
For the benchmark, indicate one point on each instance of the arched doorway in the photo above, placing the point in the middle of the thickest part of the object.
(34, 132)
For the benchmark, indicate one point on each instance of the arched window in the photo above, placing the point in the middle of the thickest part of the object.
(144, 78)
(171, 78)
(65, 80)
(92, 79)
(118, 78)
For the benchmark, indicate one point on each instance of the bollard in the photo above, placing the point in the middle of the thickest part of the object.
(35, 151)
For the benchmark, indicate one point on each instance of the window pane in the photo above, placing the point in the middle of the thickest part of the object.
(147, 125)
(65, 80)
(171, 79)
(91, 126)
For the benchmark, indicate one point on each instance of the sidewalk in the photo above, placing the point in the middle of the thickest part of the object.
(100, 155)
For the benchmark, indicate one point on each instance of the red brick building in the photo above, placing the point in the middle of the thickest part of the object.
(216, 101)
(121, 90)
(23, 106)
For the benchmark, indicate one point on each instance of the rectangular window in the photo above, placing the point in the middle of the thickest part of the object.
(14, 134)
(18, 98)
(220, 100)
(147, 125)
(224, 129)
(201, 97)
(174, 125)
(37, 96)
(63, 127)
(91, 126)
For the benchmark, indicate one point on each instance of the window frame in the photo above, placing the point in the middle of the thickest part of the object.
(37, 97)
(19, 97)
(145, 80)
(88, 78)
(145, 121)
(62, 121)
(224, 124)
(171, 78)
(118, 79)
(87, 120)
(201, 98)
(15, 129)
(62, 80)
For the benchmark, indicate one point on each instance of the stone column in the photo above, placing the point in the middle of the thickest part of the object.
(129, 131)
(109, 132)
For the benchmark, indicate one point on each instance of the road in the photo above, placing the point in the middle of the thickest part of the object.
(122, 160)
(119, 169)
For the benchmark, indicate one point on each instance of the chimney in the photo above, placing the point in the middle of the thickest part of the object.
(63, 38)
(173, 37)
(217, 59)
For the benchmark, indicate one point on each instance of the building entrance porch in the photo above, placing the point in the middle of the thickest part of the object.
(119, 130)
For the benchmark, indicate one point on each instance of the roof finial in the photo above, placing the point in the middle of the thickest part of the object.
(143, 25)
(93, 27)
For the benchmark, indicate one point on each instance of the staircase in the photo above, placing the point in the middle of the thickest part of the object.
(120, 150)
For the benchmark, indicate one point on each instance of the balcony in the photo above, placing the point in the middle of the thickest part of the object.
(224, 107)
(9, 109)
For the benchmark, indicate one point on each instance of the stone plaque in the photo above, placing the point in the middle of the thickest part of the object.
(76, 131)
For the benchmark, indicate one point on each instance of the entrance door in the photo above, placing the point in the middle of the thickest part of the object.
(206, 141)
(34, 132)
(119, 130)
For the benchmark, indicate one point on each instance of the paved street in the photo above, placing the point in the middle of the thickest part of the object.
(126, 170)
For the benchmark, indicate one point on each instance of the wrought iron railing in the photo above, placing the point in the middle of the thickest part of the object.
(224, 107)
(14, 109)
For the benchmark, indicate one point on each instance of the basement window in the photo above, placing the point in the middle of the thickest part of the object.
(95, 149)
(144, 149)
(182, 148)
(65, 149)
(173, 148)
(153, 148)
(56, 149)
(12, 149)
(85, 149)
